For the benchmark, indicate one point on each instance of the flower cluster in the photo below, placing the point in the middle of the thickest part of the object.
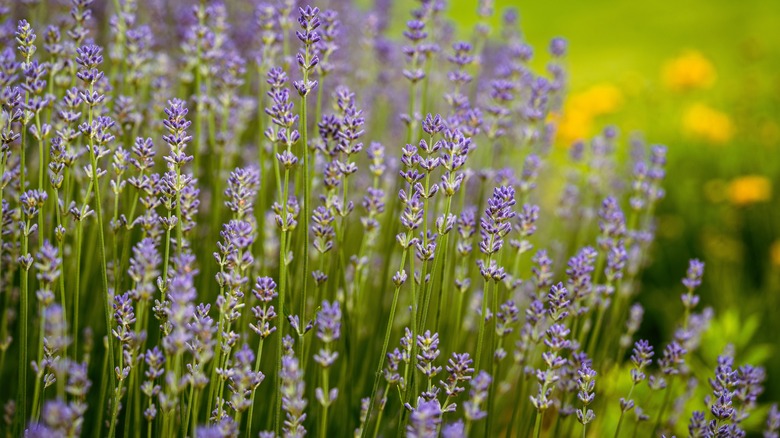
(213, 213)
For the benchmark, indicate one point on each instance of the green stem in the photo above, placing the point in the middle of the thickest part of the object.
(306, 197)
(22, 152)
(481, 336)
(23, 311)
(252, 397)
(282, 293)
(101, 407)
(41, 167)
(388, 331)
(102, 244)
(381, 411)
(38, 392)
(324, 420)
(415, 329)
(77, 289)
(186, 420)
(445, 252)
(538, 424)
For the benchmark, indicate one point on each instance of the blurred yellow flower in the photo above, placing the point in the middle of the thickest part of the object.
(774, 253)
(688, 71)
(581, 108)
(750, 189)
(706, 123)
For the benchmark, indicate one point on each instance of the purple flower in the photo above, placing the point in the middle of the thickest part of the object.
(459, 370)
(558, 46)
(612, 223)
(616, 262)
(425, 419)
(324, 233)
(580, 272)
(697, 425)
(428, 345)
(177, 138)
(226, 427)
(722, 409)
(772, 423)
(180, 310)
(641, 358)
(495, 223)
(693, 277)
(412, 216)
(144, 269)
(586, 383)
(25, 37)
(673, 359)
(542, 272)
(48, 264)
(292, 392)
(558, 300)
(472, 408)
(242, 380)
(59, 419)
(242, 190)
(454, 430)
(329, 322)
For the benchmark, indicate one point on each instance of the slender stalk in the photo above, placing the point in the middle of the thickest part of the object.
(444, 252)
(495, 368)
(38, 393)
(115, 405)
(538, 424)
(261, 161)
(324, 417)
(481, 335)
(185, 421)
(252, 397)
(196, 151)
(77, 289)
(41, 167)
(22, 151)
(622, 412)
(101, 407)
(101, 243)
(381, 411)
(415, 329)
(60, 247)
(306, 195)
(23, 322)
(388, 330)
(282, 293)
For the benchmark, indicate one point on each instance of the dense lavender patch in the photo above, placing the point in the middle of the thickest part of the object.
(240, 218)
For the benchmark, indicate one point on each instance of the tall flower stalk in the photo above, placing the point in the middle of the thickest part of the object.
(231, 221)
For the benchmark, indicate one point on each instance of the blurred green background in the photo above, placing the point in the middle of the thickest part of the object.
(702, 77)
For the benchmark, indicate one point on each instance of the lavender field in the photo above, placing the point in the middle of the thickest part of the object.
(226, 219)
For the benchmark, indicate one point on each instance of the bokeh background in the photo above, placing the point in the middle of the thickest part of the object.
(703, 78)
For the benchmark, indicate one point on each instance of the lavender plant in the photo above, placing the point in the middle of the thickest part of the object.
(178, 298)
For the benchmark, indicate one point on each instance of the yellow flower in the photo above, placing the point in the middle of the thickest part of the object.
(583, 107)
(705, 123)
(774, 253)
(688, 71)
(597, 100)
(750, 189)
